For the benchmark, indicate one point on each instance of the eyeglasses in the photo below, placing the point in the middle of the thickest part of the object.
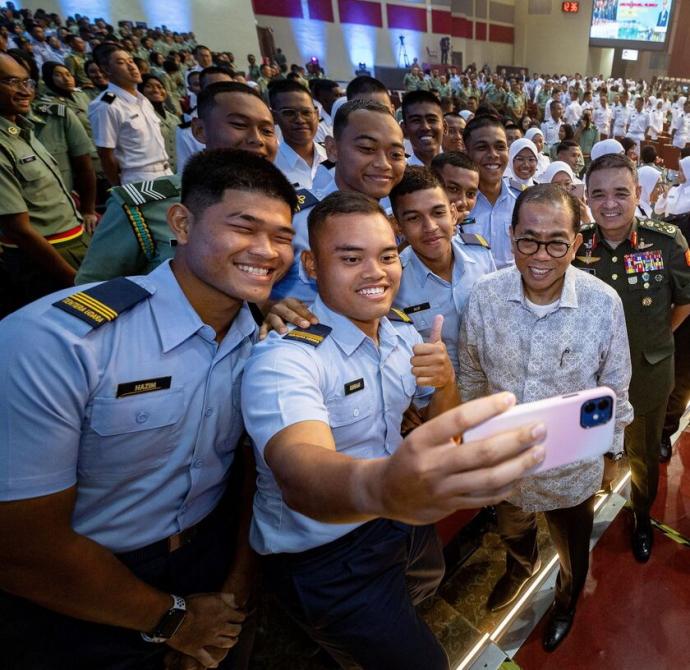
(16, 84)
(529, 246)
(291, 114)
(529, 160)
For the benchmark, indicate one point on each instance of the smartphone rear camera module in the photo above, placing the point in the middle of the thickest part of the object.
(596, 412)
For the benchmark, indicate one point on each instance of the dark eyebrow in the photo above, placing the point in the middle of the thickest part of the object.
(349, 247)
(535, 234)
(366, 137)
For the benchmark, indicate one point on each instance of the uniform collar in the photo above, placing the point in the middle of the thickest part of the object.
(345, 334)
(177, 320)
(422, 272)
(295, 160)
(515, 291)
(598, 238)
(121, 93)
(22, 126)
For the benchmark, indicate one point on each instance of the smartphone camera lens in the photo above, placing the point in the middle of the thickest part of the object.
(589, 407)
(603, 404)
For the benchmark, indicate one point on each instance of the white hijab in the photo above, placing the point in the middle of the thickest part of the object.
(604, 147)
(647, 178)
(543, 160)
(677, 201)
(554, 169)
(515, 148)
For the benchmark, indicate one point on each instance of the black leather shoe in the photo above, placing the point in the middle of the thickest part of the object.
(507, 589)
(642, 538)
(558, 625)
(665, 449)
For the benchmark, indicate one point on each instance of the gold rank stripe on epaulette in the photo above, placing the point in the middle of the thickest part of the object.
(398, 315)
(659, 227)
(314, 335)
(104, 302)
(141, 230)
(305, 199)
(474, 238)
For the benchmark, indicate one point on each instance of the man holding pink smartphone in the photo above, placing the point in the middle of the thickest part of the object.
(540, 329)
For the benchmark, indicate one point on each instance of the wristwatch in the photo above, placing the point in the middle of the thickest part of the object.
(614, 457)
(169, 624)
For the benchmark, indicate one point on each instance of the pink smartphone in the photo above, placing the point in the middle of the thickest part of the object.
(578, 190)
(578, 425)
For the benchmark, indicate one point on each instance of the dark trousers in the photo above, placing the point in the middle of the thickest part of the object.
(642, 438)
(34, 638)
(570, 530)
(356, 596)
(680, 395)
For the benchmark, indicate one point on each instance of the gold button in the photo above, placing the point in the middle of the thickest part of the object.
(615, 259)
(614, 276)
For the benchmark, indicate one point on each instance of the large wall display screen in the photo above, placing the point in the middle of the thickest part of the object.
(637, 24)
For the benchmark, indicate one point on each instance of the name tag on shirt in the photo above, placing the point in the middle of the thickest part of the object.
(354, 386)
(143, 386)
(27, 159)
(413, 309)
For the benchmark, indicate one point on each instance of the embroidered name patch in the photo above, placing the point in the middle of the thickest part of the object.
(354, 386)
(143, 386)
(413, 309)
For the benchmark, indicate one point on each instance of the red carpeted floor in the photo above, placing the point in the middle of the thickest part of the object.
(632, 616)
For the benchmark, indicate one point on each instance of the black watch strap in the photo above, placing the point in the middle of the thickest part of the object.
(169, 623)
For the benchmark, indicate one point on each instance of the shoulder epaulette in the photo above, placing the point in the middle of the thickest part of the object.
(658, 227)
(314, 335)
(587, 227)
(327, 164)
(473, 238)
(103, 303)
(305, 199)
(184, 125)
(140, 192)
(108, 97)
(53, 109)
(398, 315)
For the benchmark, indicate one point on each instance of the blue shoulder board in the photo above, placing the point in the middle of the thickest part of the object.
(305, 199)
(313, 335)
(473, 238)
(103, 303)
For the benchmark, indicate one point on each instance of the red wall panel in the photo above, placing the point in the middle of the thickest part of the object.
(501, 34)
(408, 18)
(479, 31)
(462, 27)
(291, 9)
(360, 11)
(321, 10)
(441, 22)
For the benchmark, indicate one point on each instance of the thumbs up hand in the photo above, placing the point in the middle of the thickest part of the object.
(430, 363)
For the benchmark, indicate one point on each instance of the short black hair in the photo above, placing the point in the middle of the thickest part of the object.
(548, 194)
(278, 86)
(418, 97)
(213, 69)
(103, 52)
(208, 174)
(457, 159)
(648, 154)
(415, 178)
(364, 84)
(207, 97)
(628, 143)
(319, 86)
(480, 121)
(612, 162)
(565, 145)
(197, 48)
(343, 114)
(340, 202)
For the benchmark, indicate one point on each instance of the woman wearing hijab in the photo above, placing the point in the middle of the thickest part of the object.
(62, 87)
(565, 132)
(537, 138)
(676, 202)
(649, 179)
(152, 88)
(559, 172)
(523, 159)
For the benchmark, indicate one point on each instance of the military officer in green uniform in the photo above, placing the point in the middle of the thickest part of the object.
(41, 231)
(133, 237)
(647, 263)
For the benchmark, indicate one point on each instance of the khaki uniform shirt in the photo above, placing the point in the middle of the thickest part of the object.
(650, 272)
(74, 62)
(30, 180)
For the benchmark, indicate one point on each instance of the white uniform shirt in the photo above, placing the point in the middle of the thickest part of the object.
(550, 131)
(299, 173)
(637, 125)
(573, 113)
(602, 119)
(621, 116)
(131, 127)
(682, 127)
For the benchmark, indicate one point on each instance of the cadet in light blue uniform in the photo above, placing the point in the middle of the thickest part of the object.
(439, 268)
(369, 158)
(119, 430)
(343, 386)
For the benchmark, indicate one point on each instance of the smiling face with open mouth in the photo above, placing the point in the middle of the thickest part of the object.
(613, 194)
(488, 147)
(356, 264)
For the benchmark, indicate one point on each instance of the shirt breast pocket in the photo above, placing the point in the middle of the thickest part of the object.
(343, 411)
(133, 433)
(31, 169)
(136, 123)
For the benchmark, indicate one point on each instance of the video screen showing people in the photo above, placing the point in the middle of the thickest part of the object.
(631, 21)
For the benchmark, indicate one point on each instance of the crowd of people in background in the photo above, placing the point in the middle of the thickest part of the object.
(332, 266)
